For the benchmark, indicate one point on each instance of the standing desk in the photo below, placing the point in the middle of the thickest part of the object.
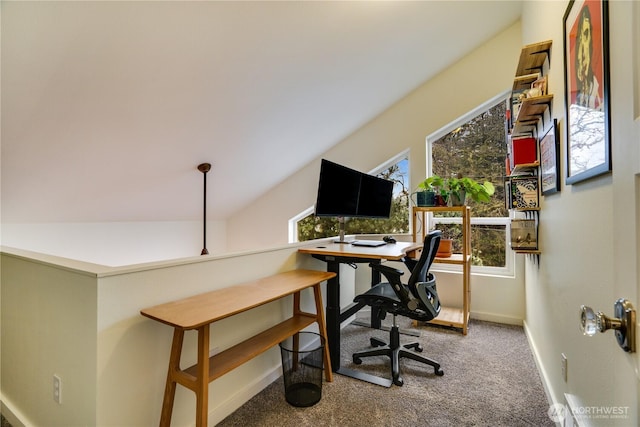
(335, 254)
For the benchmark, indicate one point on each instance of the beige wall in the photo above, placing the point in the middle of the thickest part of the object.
(48, 328)
(472, 81)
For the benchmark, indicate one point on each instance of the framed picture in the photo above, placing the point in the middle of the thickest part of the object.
(586, 66)
(524, 192)
(550, 160)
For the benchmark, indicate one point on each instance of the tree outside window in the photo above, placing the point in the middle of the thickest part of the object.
(477, 149)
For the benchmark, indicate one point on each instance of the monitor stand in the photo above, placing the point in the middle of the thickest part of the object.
(341, 239)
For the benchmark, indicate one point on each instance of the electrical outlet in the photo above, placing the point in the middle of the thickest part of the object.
(563, 361)
(57, 389)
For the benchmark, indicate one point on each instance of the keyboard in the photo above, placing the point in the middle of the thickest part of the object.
(368, 243)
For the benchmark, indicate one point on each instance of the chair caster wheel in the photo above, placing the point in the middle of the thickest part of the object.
(439, 372)
(398, 381)
(376, 342)
(415, 347)
(357, 360)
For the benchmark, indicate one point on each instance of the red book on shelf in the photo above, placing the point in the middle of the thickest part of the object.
(524, 150)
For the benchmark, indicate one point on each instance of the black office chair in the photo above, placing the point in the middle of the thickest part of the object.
(417, 300)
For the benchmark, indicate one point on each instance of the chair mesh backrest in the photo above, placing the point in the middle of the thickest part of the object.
(429, 249)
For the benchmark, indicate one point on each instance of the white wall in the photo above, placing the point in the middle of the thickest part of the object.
(405, 125)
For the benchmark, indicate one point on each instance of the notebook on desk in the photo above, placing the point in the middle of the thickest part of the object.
(369, 243)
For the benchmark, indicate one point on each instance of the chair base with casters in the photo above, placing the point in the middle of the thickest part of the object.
(395, 351)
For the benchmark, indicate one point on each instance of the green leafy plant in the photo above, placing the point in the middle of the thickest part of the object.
(432, 183)
(436, 185)
(462, 187)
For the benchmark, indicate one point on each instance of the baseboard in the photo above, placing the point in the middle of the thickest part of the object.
(235, 401)
(496, 318)
(13, 416)
(544, 377)
(228, 406)
(220, 412)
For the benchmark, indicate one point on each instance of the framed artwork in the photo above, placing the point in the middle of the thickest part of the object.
(550, 160)
(586, 66)
(524, 192)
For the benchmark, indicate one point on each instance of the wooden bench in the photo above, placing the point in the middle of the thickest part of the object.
(199, 311)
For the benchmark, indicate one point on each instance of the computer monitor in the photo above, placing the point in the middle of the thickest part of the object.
(338, 189)
(344, 192)
(375, 197)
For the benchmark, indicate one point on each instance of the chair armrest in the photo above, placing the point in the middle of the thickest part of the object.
(390, 273)
(393, 277)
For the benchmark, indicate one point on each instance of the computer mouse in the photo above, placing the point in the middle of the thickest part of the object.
(389, 239)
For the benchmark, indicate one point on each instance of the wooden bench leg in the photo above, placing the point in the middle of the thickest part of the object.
(202, 381)
(322, 327)
(170, 387)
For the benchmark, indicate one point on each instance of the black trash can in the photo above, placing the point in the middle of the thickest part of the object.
(302, 368)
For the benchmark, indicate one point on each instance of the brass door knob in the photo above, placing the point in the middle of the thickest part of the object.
(624, 323)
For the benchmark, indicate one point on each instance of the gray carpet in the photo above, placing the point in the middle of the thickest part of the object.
(490, 379)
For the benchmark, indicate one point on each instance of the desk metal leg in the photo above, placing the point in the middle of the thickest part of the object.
(363, 376)
(334, 319)
(333, 315)
(375, 279)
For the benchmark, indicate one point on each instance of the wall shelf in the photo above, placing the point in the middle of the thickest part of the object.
(534, 58)
(534, 109)
(533, 113)
(525, 168)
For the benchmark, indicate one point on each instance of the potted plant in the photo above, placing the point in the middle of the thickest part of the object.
(433, 192)
(445, 248)
(459, 188)
(429, 189)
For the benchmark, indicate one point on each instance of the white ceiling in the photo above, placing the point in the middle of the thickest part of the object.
(108, 107)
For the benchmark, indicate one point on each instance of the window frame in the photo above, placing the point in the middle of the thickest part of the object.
(509, 268)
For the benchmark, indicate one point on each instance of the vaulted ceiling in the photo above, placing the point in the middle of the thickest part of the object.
(108, 107)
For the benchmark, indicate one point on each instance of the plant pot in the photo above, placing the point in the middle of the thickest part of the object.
(445, 248)
(441, 200)
(426, 198)
(454, 200)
